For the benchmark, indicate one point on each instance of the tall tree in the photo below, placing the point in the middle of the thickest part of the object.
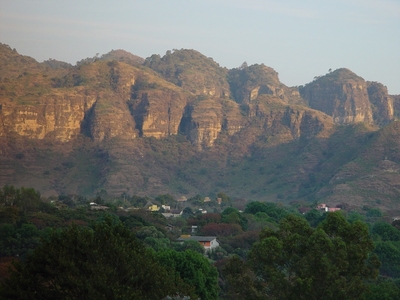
(299, 262)
(102, 262)
(27, 199)
(194, 269)
(240, 281)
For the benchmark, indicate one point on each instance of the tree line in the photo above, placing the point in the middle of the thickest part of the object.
(268, 251)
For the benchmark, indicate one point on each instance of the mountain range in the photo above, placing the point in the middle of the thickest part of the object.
(182, 124)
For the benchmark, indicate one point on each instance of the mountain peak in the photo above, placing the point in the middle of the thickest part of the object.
(340, 75)
(123, 56)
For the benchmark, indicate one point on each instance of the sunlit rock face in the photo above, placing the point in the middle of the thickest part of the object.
(340, 94)
(54, 116)
(382, 103)
(158, 113)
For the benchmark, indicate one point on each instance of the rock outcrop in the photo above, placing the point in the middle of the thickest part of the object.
(206, 123)
(287, 123)
(340, 94)
(108, 119)
(249, 82)
(382, 103)
(306, 123)
(192, 71)
(396, 105)
(58, 117)
(158, 112)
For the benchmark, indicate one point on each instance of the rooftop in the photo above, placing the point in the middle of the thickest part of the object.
(198, 238)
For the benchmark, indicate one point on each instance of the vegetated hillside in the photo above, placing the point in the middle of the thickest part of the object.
(191, 71)
(372, 177)
(183, 125)
(123, 56)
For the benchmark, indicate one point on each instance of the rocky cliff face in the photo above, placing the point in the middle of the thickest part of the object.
(205, 120)
(91, 99)
(286, 123)
(105, 121)
(84, 128)
(381, 103)
(306, 123)
(158, 113)
(396, 105)
(58, 117)
(340, 94)
(206, 123)
(192, 71)
(108, 98)
(249, 82)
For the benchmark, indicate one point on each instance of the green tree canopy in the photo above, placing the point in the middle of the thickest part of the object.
(271, 209)
(102, 262)
(194, 269)
(389, 254)
(165, 199)
(189, 245)
(299, 262)
(232, 216)
(240, 281)
(384, 289)
(313, 217)
(26, 199)
(386, 232)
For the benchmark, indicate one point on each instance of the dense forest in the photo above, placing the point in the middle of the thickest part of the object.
(63, 248)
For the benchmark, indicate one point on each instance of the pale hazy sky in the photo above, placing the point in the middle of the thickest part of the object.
(299, 39)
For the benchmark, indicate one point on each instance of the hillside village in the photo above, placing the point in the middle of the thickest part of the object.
(217, 229)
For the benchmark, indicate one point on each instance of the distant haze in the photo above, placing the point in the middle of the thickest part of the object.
(299, 39)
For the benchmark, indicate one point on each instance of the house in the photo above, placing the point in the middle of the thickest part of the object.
(324, 207)
(207, 199)
(173, 213)
(151, 207)
(98, 207)
(332, 209)
(154, 207)
(182, 199)
(208, 242)
(166, 207)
